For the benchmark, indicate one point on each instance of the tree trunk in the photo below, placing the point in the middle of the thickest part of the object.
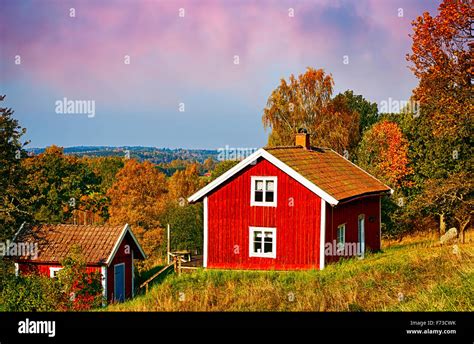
(442, 224)
(462, 229)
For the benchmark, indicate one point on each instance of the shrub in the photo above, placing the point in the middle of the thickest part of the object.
(30, 293)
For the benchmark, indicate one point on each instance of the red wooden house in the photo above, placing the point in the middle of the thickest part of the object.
(110, 250)
(295, 207)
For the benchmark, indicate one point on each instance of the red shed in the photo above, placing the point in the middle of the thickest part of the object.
(111, 250)
(294, 207)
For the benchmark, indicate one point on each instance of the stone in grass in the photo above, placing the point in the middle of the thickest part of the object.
(450, 235)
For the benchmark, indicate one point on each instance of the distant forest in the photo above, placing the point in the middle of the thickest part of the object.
(159, 156)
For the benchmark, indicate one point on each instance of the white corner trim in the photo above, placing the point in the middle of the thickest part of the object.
(380, 222)
(103, 273)
(253, 203)
(126, 229)
(205, 235)
(274, 242)
(133, 277)
(278, 163)
(322, 236)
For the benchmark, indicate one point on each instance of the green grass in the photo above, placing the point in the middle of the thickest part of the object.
(413, 277)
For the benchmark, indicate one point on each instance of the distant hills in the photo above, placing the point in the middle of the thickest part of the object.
(152, 154)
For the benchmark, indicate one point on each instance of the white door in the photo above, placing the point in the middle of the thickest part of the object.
(361, 235)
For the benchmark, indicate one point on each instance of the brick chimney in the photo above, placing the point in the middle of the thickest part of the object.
(302, 139)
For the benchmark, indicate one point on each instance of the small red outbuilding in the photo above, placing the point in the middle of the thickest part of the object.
(110, 250)
(295, 207)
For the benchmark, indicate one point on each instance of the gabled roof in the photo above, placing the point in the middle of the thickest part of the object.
(99, 243)
(321, 170)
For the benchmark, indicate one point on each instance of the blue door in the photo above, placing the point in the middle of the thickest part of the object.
(119, 282)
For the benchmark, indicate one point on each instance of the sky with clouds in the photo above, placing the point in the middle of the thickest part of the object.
(52, 49)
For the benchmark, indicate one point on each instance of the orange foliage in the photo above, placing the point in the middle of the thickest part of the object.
(305, 102)
(442, 60)
(184, 183)
(138, 196)
(384, 153)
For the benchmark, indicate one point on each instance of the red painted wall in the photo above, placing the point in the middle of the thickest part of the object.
(296, 218)
(348, 213)
(121, 257)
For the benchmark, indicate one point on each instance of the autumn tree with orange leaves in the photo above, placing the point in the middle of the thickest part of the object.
(183, 184)
(305, 102)
(442, 60)
(138, 197)
(441, 136)
(383, 152)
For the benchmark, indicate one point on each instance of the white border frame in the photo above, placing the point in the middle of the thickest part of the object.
(252, 230)
(253, 179)
(124, 284)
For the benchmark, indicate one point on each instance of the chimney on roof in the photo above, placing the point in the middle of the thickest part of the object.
(302, 139)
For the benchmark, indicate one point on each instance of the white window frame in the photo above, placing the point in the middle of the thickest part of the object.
(252, 191)
(52, 271)
(340, 245)
(252, 231)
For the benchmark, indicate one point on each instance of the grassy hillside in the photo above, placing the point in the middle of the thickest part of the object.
(408, 276)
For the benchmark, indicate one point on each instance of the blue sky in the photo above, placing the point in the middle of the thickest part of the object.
(78, 49)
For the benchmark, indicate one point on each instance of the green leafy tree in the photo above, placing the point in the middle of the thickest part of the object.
(451, 199)
(56, 184)
(186, 226)
(222, 167)
(13, 202)
(31, 293)
(368, 112)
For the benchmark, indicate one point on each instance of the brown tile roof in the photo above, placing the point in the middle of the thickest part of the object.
(54, 241)
(329, 171)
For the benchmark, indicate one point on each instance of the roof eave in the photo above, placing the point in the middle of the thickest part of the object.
(273, 160)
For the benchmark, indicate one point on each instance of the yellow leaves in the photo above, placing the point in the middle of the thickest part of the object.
(306, 103)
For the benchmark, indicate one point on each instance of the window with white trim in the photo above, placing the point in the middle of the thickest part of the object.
(264, 191)
(341, 237)
(53, 272)
(262, 242)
